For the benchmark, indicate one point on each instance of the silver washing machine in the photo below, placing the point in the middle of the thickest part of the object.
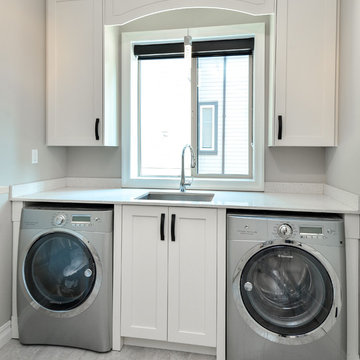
(64, 287)
(285, 287)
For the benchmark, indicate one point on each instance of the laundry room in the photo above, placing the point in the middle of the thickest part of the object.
(212, 145)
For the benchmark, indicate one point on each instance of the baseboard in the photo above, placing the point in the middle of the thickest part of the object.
(5, 333)
(14, 327)
(164, 345)
(352, 357)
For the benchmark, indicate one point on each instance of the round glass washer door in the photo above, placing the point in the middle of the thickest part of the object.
(59, 271)
(286, 290)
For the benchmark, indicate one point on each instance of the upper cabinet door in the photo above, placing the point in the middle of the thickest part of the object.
(119, 12)
(306, 73)
(74, 72)
(192, 276)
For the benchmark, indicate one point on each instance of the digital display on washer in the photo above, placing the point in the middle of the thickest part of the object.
(81, 218)
(311, 230)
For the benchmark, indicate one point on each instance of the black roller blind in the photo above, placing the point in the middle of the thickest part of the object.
(199, 49)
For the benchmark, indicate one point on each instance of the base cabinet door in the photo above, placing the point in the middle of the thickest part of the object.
(144, 273)
(192, 276)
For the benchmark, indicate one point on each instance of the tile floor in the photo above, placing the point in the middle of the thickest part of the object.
(13, 350)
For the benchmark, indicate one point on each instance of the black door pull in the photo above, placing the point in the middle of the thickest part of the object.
(173, 219)
(162, 224)
(97, 122)
(280, 127)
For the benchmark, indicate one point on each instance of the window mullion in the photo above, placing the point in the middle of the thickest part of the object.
(194, 114)
(251, 115)
(224, 117)
(139, 119)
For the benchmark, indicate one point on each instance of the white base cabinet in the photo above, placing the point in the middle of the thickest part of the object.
(169, 274)
(305, 74)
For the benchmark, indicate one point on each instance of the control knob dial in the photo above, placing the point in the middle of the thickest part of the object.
(60, 220)
(285, 231)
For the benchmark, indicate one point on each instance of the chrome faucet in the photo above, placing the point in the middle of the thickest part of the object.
(183, 182)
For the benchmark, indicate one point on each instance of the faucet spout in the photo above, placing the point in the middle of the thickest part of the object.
(183, 182)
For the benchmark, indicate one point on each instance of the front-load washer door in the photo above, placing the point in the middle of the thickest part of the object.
(285, 291)
(59, 271)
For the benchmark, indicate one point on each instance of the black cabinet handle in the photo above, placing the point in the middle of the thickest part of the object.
(173, 219)
(162, 224)
(280, 127)
(97, 122)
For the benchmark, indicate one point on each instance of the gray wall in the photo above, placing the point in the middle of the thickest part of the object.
(288, 164)
(22, 118)
(343, 163)
(22, 95)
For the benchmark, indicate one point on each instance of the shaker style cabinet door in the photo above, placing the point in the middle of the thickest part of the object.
(119, 12)
(74, 72)
(306, 73)
(192, 276)
(144, 272)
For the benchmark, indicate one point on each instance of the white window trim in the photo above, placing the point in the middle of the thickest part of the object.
(129, 107)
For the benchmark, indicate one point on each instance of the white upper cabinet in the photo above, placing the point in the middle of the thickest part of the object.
(119, 12)
(75, 74)
(305, 74)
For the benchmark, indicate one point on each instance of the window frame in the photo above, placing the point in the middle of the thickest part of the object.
(129, 113)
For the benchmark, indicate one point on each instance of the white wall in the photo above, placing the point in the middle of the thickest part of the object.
(22, 117)
(290, 164)
(343, 163)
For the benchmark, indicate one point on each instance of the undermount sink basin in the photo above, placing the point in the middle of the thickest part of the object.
(171, 196)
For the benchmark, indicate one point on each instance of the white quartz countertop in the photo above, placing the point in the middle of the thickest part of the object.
(222, 199)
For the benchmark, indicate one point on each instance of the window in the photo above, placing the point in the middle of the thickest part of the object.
(212, 109)
(163, 110)
(226, 82)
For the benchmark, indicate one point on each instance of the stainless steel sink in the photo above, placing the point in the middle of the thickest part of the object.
(179, 196)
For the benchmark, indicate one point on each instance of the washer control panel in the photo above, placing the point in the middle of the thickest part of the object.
(323, 230)
(75, 220)
(66, 217)
(307, 230)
